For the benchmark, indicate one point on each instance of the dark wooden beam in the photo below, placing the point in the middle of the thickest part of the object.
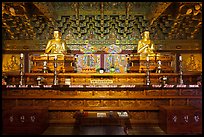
(156, 10)
(47, 9)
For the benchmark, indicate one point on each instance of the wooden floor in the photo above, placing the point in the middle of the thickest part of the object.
(103, 130)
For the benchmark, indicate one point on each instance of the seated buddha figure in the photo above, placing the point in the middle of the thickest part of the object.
(145, 45)
(56, 45)
(112, 35)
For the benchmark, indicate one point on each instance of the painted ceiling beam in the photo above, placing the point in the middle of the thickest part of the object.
(156, 10)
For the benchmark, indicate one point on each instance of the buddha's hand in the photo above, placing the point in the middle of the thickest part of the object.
(64, 52)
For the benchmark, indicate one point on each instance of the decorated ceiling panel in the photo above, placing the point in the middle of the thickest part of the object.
(101, 23)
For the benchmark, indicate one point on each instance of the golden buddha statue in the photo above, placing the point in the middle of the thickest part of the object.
(56, 45)
(145, 45)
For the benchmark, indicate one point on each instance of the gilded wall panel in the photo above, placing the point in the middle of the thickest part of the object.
(179, 102)
(39, 92)
(144, 103)
(159, 102)
(75, 103)
(127, 103)
(153, 92)
(188, 92)
(171, 92)
(135, 93)
(120, 93)
(84, 93)
(111, 93)
(32, 92)
(61, 103)
(192, 62)
(101, 93)
(69, 93)
(49, 92)
(110, 103)
(79, 80)
(122, 80)
(135, 80)
(93, 103)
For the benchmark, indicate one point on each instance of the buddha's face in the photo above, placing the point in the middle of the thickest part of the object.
(56, 34)
(192, 58)
(146, 34)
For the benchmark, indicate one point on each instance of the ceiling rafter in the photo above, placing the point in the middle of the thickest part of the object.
(157, 10)
(47, 9)
(39, 19)
(12, 11)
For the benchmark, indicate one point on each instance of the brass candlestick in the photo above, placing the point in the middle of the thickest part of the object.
(55, 81)
(39, 80)
(180, 70)
(45, 67)
(159, 66)
(147, 72)
(21, 69)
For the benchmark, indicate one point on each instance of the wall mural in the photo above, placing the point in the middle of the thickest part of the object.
(87, 61)
(192, 62)
(11, 62)
(117, 61)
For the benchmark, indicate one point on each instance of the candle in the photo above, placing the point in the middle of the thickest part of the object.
(180, 58)
(147, 58)
(45, 63)
(21, 55)
(55, 57)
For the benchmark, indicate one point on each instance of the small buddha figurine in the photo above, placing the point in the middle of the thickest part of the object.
(112, 35)
(69, 36)
(145, 45)
(56, 45)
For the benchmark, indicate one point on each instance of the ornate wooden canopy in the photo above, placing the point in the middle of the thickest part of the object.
(82, 21)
